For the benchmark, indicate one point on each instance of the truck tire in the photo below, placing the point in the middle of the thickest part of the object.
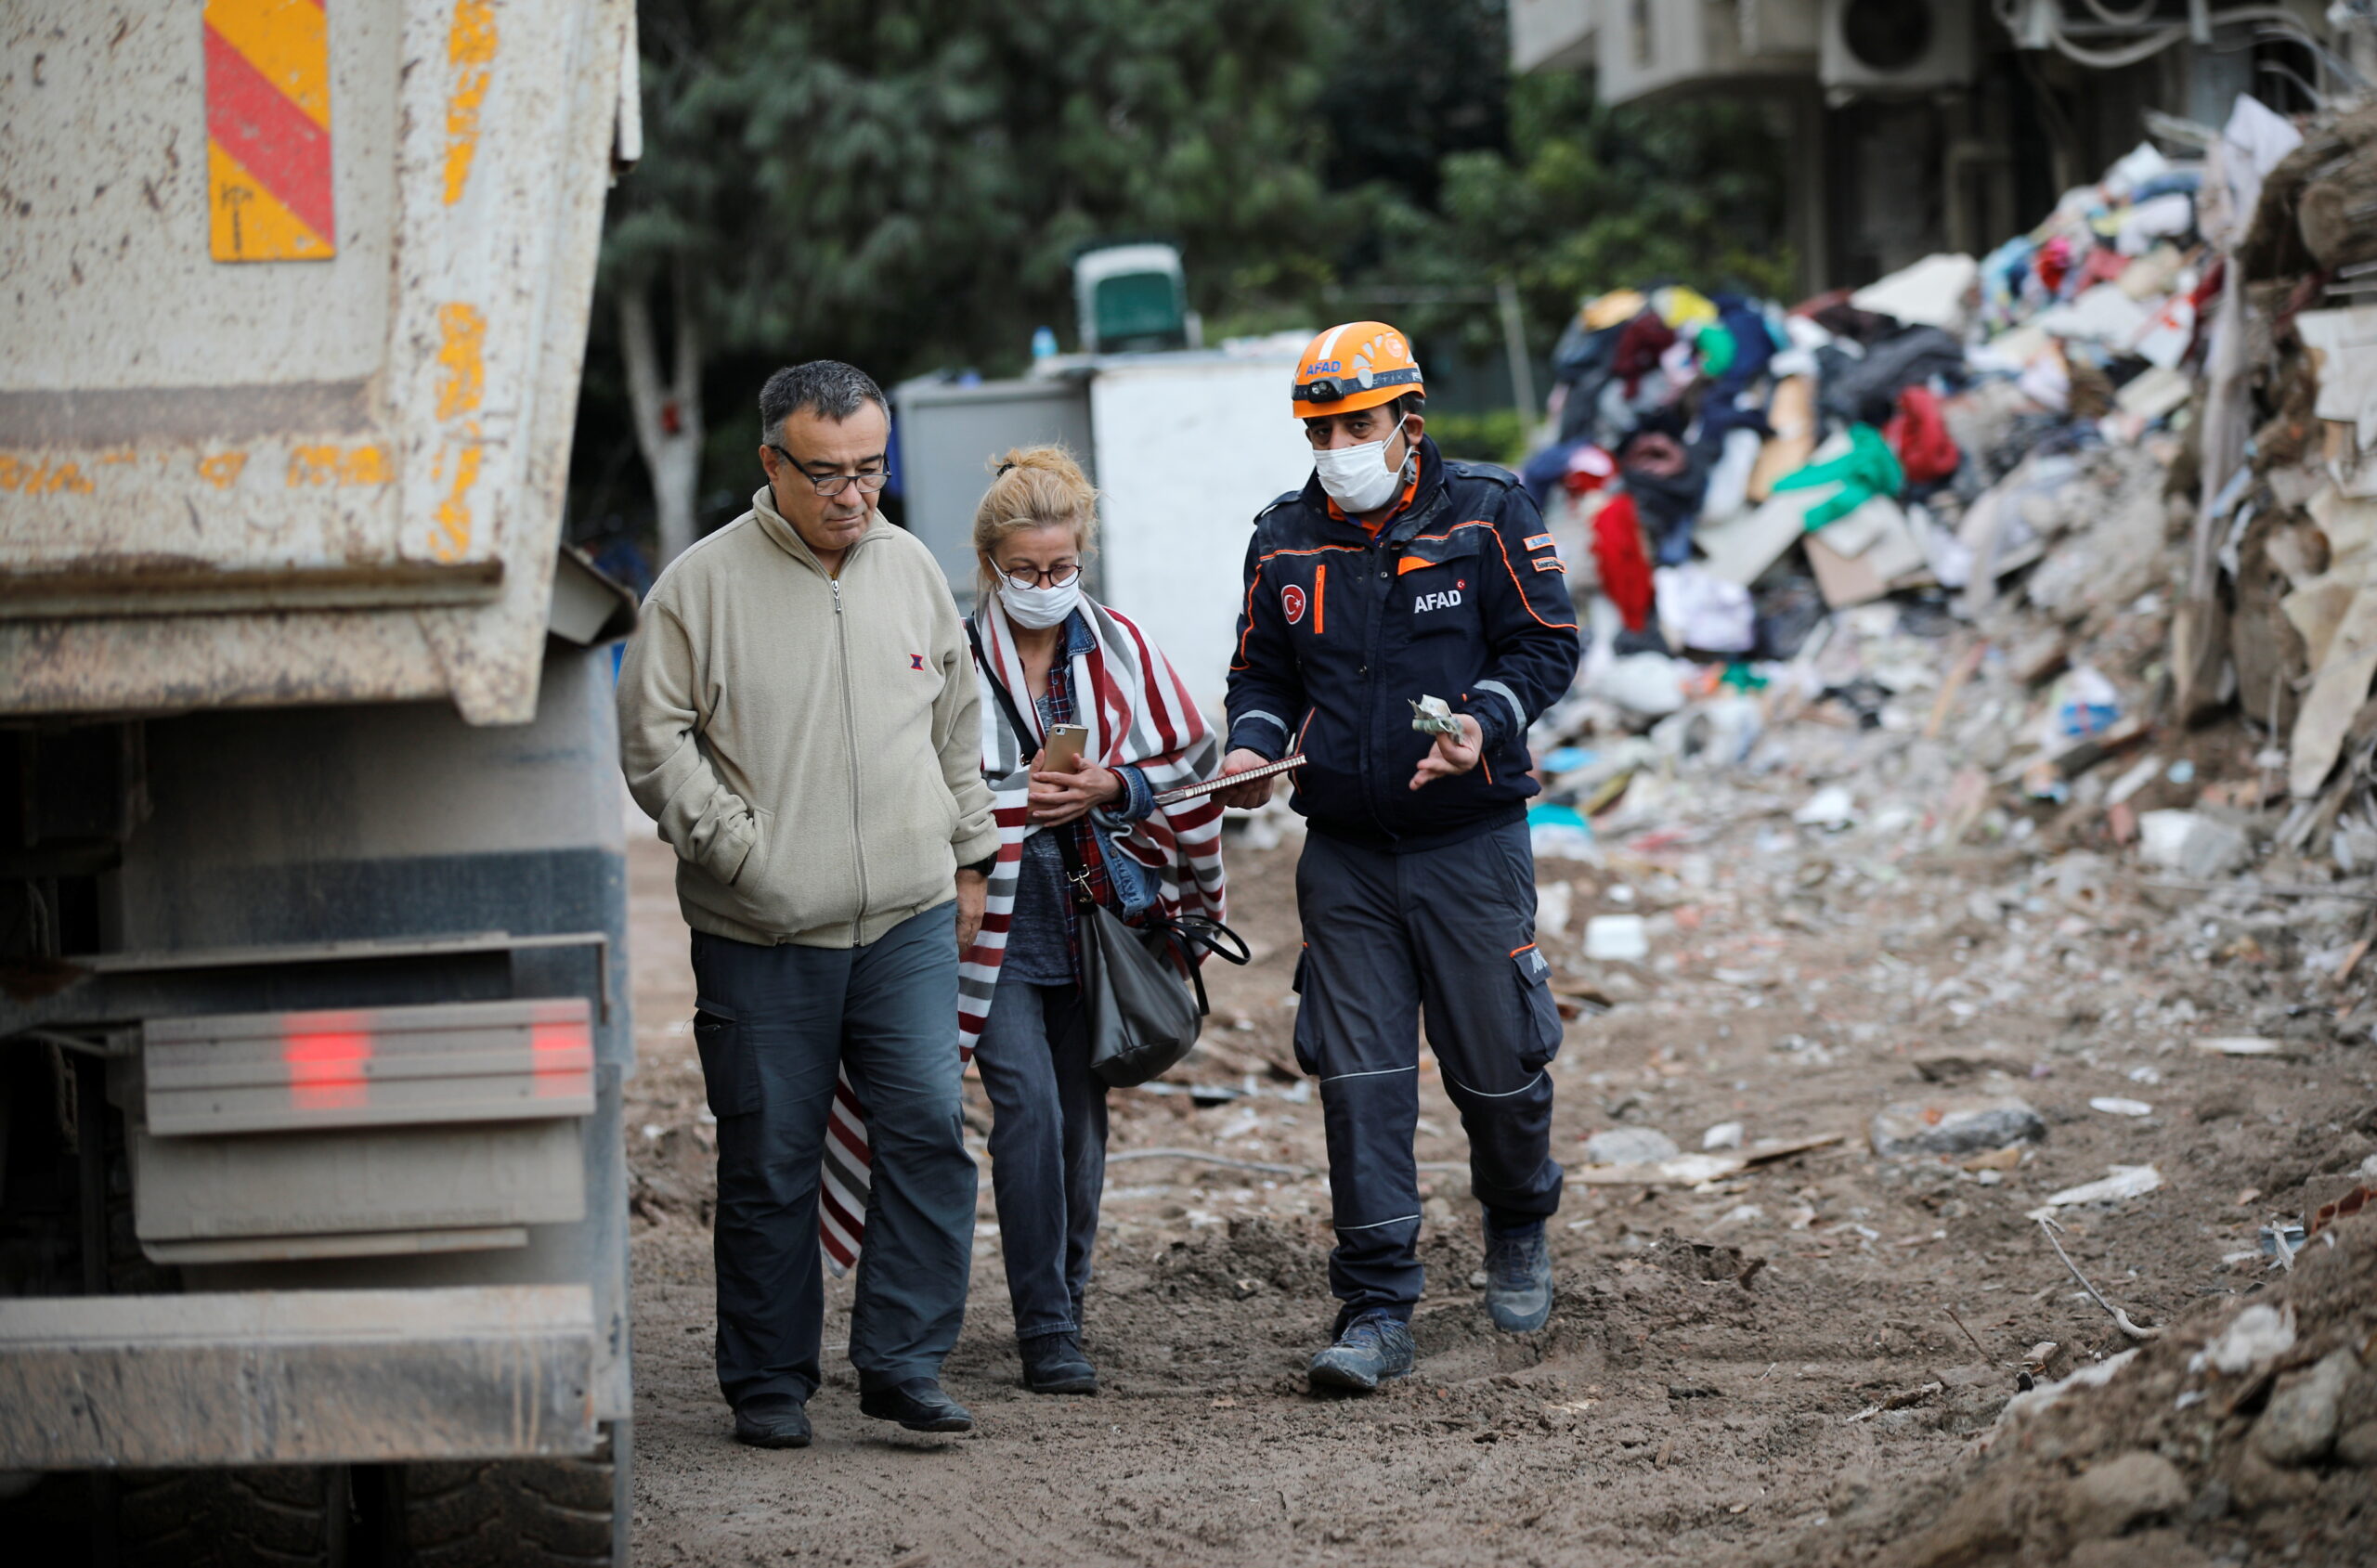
(287, 1516)
(516, 1513)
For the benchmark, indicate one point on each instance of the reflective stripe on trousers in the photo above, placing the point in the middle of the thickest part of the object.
(1447, 936)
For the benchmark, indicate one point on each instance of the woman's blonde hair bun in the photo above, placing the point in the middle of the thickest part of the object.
(1034, 487)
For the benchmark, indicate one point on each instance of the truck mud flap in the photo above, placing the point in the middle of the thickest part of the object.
(315, 1377)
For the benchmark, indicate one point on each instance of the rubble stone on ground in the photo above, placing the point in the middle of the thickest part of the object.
(2111, 1496)
(2300, 1424)
(1954, 1126)
(1629, 1146)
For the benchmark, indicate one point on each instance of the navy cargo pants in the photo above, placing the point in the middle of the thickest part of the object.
(1447, 935)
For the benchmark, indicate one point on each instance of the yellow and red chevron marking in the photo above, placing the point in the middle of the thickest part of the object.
(268, 131)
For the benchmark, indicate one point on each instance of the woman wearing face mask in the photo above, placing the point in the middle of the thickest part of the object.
(1049, 655)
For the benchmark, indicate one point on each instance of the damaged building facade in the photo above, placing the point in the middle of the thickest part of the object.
(1926, 125)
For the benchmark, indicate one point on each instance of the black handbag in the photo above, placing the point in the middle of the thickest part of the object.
(1143, 992)
(1140, 986)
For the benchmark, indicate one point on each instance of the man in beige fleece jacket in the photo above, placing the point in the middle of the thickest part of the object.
(799, 713)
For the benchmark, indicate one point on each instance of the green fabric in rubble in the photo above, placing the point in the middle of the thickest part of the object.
(1715, 343)
(1868, 468)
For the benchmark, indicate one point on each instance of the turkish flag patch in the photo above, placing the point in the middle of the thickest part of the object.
(1291, 599)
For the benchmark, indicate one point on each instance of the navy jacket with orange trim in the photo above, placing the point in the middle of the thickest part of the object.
(1459, 595)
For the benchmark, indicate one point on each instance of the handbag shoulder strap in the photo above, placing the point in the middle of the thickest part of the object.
(998, 689)
(1075, 871)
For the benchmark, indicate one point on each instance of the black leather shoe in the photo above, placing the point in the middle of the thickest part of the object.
(1054, 1364)
(919, 1404)
(777, 1422)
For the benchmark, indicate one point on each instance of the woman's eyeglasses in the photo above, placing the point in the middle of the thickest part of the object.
(1053, 577)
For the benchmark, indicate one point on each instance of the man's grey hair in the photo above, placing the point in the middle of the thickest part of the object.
(832, 389)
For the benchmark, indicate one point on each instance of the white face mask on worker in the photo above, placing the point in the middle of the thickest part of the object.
(1357, 477)
(1036, 609)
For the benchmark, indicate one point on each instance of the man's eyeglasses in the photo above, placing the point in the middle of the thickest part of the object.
(1053, 577)
(835, 483)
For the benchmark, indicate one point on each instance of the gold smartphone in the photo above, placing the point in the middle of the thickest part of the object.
(1062, 752)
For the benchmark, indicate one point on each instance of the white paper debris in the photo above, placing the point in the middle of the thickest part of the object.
(1831, 807)
(2125, 1181)
(1616, 938)
(2240, 1046)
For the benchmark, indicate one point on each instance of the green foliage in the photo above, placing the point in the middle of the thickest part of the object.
(904, 183)
(1497, 436)
(1409, 83)
(1589, 199)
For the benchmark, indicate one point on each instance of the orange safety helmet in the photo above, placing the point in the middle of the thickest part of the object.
(1359, 365)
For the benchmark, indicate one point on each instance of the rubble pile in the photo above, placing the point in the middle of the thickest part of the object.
(2246, 1432)
(2077, 535)
(2053, 573)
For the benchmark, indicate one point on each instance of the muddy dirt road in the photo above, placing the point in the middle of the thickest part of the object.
(1729, 1366)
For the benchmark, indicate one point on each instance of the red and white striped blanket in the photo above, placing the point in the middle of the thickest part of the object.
(1138, 711)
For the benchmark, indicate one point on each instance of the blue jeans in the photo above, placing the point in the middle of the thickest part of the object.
(1047, 1148)
(775, 1025)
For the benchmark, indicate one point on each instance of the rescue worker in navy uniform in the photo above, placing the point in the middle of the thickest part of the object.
(1394, 574)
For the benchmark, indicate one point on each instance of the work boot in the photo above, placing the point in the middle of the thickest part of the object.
(1372, 1348)
(1054, 1364)
(918, 1403)
(771, 1421)
(1519, 1278)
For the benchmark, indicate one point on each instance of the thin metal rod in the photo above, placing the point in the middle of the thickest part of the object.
(1269, 1170)
(2120, 1318)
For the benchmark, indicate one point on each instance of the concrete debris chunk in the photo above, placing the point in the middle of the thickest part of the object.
(2192, 844)
(2109, 1497)
(1629, 1146)
(1953, 1127)
(2300, 1424)
(2030, 1405)
(2257, 1334)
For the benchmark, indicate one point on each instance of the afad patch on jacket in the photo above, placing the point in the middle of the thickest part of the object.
(1446, 599)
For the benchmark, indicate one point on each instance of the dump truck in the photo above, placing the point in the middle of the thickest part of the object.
(313, 1012)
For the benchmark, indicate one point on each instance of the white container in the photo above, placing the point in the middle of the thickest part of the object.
(1190, 447)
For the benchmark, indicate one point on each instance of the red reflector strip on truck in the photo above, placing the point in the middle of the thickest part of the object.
(326, 1053)
(523, 1059)
(561, 1051)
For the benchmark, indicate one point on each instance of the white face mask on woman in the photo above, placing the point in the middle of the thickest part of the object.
(1357, 478)
(1036, 609)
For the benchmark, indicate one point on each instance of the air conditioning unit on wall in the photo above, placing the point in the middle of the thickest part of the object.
(1873, 46)
(1646, 48)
